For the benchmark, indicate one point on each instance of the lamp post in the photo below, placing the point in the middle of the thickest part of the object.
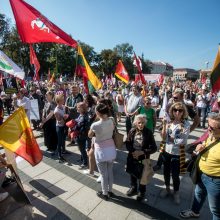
(207, 64)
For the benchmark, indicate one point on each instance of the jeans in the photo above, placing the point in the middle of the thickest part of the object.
(211, 187)
(106, 171)
(171, 163)
(61, 140)
(202, 114)
(82, 143)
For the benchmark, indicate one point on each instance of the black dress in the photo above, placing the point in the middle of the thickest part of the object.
(49, 127)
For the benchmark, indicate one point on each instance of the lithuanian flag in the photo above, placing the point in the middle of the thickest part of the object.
(90, 80)
(16, 135)
(215, 74)
(121, 72)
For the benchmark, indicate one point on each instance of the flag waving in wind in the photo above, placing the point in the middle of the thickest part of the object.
(215, 74)
(34, 62)
(121, 72)
(16, 135)
(137, 63)
(90, 80)
(33, 27)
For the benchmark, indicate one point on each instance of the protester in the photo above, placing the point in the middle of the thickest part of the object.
(72, 100)
(209, 181)
(134, 101)
(105, 151)
(82, 128)
(48, 123)
(175, 133)
(22, 100)
(150, 114)
(120, 104)
(140, 144)
(90, 102)
(61, 117)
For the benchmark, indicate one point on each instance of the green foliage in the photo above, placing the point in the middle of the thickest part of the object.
(61, 59)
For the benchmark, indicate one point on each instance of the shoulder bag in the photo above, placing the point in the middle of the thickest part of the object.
(193, 166)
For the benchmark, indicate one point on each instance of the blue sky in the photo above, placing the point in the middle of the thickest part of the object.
(184, 33)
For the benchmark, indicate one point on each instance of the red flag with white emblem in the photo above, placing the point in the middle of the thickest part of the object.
(121, 72)
(35, 64)
(33, 27)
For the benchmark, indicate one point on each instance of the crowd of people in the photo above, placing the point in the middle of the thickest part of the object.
(89, 120)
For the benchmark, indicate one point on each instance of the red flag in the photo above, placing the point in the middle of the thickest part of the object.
(121, 72)
(160, 80)
(35, 63)
(137, 63)
(33, 27)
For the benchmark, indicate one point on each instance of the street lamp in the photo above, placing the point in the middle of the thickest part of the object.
(207, 64)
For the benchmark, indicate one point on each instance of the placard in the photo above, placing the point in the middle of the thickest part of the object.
(34, 115)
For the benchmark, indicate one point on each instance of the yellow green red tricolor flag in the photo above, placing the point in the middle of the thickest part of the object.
(90, 80)
(215, 74)
(16, 135)
(121, 72)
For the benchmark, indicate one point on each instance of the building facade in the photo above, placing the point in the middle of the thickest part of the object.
(162, 68)
(182, 74)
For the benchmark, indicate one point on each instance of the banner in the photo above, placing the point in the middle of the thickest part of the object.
(8, 66)
(10, 85)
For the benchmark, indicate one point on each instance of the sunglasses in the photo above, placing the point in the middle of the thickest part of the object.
(178, 110)
(175, 98)
(212, 128)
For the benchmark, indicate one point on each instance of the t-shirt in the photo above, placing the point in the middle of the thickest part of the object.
(180, 135)
(210, 160)
(61, 112)
(25, 102)
(150, 112)
(103, 129)
(133, 103)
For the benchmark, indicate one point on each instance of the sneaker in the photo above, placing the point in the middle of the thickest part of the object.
(188, 214)
(87, 172)
(156, 168)
(164, 193)
(176, 197)
(83, 166)
(99, 179)
(140, 197)
(102, 196)
(111, 194)
(3, 196)
(131, 192)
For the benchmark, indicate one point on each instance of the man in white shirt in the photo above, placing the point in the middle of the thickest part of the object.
(24, 101)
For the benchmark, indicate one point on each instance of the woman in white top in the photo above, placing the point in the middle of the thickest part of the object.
(104, 147)
(175, 134)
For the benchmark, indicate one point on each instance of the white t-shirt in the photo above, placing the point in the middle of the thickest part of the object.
(25, 102)
(103, 129)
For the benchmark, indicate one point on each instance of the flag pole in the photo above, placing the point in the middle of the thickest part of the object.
(74, 78)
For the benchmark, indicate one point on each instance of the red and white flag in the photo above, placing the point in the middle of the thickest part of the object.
(35, 64)
(33, 27)
(138, 64)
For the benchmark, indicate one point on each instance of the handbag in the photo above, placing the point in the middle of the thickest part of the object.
(118, 139)
(193, 164)
(134, 167)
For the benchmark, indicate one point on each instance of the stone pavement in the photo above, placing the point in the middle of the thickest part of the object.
(62, 191)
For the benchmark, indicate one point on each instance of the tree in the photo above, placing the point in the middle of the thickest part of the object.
(109, 61)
